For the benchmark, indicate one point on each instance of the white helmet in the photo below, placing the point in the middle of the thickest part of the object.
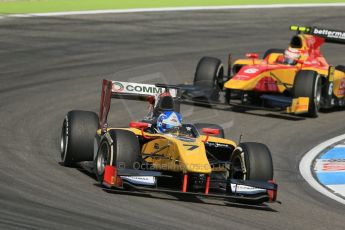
(291, 56)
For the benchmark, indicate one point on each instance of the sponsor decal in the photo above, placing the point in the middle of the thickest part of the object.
(251, 70)
(140, 180)
(342, 84)
(329, 33)
(334, 166)
(214, 144)
(191, 147)
(267, 84)
(341, 89)
(241, 77)
(117, 87)
(330, 165)
(244, 189)
(138, 88)
(313, 62)
(144, 89)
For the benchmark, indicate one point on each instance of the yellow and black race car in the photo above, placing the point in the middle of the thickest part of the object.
(155, 155)
(297, 79)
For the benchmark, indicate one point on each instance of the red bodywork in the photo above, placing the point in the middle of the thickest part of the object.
(263, 74)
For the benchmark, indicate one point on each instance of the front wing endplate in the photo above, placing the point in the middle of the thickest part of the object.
(299, 105)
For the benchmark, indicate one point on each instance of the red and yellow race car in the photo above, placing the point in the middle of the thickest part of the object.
(297, 79)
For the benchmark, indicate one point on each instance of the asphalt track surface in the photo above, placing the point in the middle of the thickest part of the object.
(49, 66)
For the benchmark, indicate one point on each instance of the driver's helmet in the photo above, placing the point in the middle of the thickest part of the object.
(291, 56)
(169, 120)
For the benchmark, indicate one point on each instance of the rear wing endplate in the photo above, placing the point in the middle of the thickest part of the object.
(330, 35)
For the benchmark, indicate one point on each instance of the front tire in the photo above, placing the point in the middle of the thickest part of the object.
(119, 148)
(209, 76)
(308, 84)
(251, 161)
(77, 137)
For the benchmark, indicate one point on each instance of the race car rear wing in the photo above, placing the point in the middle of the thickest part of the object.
(330, 35)
(121, 89)
(130, 91)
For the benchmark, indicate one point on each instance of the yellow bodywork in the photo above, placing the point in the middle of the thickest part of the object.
(169, 153)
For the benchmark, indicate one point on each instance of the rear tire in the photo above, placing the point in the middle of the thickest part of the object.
(77, 137)
(308, 84)
(120, 148)
(251, 161)
(209, 75)
(200, 126)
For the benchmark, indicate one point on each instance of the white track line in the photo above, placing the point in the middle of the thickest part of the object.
(192, 8)
(305, 167)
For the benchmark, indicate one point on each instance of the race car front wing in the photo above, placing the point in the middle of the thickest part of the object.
(244, 191)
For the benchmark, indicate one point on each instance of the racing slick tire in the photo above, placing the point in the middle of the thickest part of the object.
(340, 68)
(251, 161)
(308, 83)
(271, 51)
(118, 148)
(77, 137)
(200, 126)
(209, 75)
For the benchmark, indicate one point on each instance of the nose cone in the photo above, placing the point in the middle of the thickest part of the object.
(245, 79)
(239, 84)
(193, 156)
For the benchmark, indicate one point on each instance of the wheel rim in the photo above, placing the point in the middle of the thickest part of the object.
(102, 158)
(317, 96)
(218, 81)
(64, 140)
(218, 78)
(237, 168)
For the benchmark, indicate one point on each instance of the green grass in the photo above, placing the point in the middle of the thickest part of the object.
(39, 6)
